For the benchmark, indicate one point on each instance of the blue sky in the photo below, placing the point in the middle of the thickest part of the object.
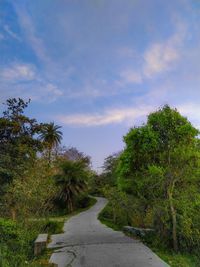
(98, 67)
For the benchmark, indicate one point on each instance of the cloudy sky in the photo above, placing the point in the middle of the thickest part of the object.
(98, 67)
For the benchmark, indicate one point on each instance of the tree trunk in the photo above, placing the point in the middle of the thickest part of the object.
(174, 222)
(172, 208)
(70, 205)
(13, 214)
(49, 155)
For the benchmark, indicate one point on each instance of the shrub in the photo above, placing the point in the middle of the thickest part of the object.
(16, 242)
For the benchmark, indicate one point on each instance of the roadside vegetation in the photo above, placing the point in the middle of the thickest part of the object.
(154, 183)
(41, 183)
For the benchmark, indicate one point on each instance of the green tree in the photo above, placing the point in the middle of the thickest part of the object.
(72, 181)
(31, 195)
(160, 166)
(19, 143)
(120, 207)
(109, 175)
(51, 137)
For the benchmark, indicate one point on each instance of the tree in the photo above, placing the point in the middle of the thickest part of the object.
(160, 166)
(109, 175)
(179, 155)
(120, 205)
(51, 137)
(73, 154)
(19, 143)
(72, 181)
(33, 194)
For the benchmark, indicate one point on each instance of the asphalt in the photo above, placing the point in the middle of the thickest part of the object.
(88, 243)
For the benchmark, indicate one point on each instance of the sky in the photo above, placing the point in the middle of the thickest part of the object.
(99, 67)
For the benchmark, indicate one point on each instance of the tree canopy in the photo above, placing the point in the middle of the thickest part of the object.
(160, 167)
(19, 141)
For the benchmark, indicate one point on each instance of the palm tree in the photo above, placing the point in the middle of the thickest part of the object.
(72, 181)
(51, 137)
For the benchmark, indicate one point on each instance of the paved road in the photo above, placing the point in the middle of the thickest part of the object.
(87, 243)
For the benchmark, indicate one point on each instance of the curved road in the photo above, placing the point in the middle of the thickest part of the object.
(88, 243)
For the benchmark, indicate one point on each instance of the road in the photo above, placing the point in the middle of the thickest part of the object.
(88, 243)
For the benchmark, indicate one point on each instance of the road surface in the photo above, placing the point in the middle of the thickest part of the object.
(88, 243)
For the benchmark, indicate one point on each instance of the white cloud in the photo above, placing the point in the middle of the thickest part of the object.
(39, 91)
(161, 56)
(131, 76)
(158, 58)
(11, 33)
(111, 116)
(24, 80)
(18, 72)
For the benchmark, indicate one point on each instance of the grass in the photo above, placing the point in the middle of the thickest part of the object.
(171, 258)
(110, 224)
(178, 259)
(42, 260)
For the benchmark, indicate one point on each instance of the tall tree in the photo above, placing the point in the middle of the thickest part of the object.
(51, 137)
(109, 175)
(160, 166)
(72, 181)
(18, 141)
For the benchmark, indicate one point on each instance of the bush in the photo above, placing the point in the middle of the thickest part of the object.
(53, 227)
(8, 230)
(12, 245)
(16, 242)
(82, 201)
(106, 213)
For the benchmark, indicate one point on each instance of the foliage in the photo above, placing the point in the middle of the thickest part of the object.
(16, 243)
(51, 137)
(32, 193)
(18, 142)
(8, 230)
(120, 208)
(28, 189)
(72, 181)
(160, 168)
(83, 201)
(73, 154)
(178, 259)
(108, 177)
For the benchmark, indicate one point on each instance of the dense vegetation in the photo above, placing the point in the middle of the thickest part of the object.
(38, 180)
(155, 182)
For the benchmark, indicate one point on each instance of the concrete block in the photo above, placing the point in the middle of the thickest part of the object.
(40, 244)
